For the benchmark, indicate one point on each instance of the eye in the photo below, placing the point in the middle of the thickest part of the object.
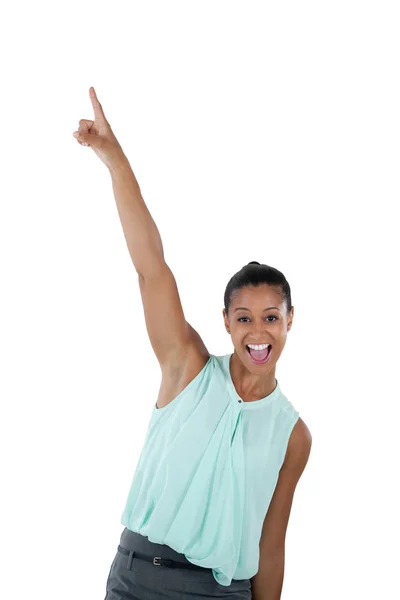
(269, 317)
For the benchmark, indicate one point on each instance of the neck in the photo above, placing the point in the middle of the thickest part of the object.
(251, 386)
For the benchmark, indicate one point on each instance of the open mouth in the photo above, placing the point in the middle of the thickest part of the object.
(259, 357)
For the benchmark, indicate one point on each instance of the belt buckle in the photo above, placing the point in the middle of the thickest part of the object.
(154, 563)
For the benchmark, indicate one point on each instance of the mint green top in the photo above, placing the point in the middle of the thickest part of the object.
(208, 470)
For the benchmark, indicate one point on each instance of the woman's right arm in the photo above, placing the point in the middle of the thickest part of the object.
(140, 231)
(174, 341)
(170, 335)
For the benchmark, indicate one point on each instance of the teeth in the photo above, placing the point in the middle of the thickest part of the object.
(258, 346)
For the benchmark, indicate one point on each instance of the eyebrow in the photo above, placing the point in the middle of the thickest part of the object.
(243, 308)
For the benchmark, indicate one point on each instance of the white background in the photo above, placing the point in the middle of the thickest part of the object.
(257, 131)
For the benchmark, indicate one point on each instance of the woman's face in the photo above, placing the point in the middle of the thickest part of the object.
(257, 315)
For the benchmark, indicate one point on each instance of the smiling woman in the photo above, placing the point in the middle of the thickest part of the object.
(214, 453)
(258, 314)
(239, 423)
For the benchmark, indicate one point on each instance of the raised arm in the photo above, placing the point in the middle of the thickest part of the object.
(140, 231)
(173, 340)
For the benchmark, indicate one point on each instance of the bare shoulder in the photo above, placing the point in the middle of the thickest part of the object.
(299, 448)
(176, 376)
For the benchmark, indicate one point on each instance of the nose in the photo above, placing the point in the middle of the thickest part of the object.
(259, 332)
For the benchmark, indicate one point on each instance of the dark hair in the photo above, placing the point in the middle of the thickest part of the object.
(257, 274)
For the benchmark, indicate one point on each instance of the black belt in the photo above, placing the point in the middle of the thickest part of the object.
(166, 562)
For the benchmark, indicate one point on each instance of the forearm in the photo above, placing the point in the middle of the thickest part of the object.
(141, 233)
(267, 583)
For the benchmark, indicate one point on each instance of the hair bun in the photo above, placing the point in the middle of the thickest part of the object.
(253, 262)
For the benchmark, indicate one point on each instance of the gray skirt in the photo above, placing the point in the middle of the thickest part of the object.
(132, 578)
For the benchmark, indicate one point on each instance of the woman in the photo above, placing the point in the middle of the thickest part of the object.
(208, 507)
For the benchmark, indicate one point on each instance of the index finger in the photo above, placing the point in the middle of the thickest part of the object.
(98, 111)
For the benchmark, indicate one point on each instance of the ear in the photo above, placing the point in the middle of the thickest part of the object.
(290, 319)
(226, 321)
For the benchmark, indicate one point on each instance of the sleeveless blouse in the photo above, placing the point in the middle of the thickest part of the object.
(208, 470)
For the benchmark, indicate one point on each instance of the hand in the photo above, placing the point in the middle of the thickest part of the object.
(98, 134)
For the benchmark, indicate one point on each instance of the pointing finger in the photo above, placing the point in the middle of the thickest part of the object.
(98, 111)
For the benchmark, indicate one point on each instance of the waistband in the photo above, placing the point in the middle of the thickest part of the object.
(156, 560)
(133, 544)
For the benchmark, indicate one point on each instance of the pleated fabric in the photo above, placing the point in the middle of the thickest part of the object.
(208, 470)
